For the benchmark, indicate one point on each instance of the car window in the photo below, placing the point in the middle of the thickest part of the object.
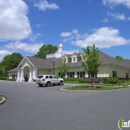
(50, 77)
(46, 77)
(40, 76)
(55, 77)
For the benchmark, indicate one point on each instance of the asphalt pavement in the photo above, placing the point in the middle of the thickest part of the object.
(29, 107)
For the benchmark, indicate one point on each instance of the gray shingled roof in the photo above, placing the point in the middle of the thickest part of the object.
(44, 63)
(48, 63)
(13, 70)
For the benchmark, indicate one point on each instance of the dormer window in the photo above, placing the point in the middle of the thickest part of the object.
(66, 59)
(83, 57)
(74, 59)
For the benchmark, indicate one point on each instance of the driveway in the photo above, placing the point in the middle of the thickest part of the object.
(29, 107)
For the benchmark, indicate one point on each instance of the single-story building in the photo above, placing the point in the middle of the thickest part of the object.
(30, 67)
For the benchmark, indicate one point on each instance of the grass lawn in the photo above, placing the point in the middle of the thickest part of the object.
(1, 98)
(96, 87)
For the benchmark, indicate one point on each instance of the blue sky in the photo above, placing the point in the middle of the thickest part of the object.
(25, 25)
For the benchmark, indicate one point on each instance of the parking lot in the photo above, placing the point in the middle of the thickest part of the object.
(29, 107)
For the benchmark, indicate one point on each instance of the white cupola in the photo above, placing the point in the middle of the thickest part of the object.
(60, 48)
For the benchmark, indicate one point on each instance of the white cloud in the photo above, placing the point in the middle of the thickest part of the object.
(34, 37)
(105, 20)
(66, 34)
(68, 39)
(117, 16)
(112, 3)
(104, 37)
(4, 53)
(39, 25)
(30, 48)
(69, 36)
(43, 5)
(128, 18)
(14, 23)
(75, 31)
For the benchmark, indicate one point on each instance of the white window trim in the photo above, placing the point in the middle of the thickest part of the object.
(73, 58)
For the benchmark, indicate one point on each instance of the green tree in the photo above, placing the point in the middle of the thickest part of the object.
(1, 70)
(63, 67)
(91, 61)
(119, 58)
(45, 50)
(11, 61)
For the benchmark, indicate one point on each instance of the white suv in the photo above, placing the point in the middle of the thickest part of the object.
(49, 80)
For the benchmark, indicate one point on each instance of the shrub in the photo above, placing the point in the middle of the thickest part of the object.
(105, 80)
(11, 79)
(67, 79)
(3, 78)
(84, 80)
(113, 80)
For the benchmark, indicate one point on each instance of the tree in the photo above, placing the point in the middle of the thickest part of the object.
(11, 61)
(1, 70)
(45, 50)
(91, 61)
(63, 67)
(119, 58)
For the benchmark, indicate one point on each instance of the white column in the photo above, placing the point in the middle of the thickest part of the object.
(34, 73)
(30, 75)
(18, 75)
(22, 76)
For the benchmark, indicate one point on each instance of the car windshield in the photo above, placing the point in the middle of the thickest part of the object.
(40, 76)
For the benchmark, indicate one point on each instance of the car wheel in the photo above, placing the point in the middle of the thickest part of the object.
(48, 84)
(61, 82)
(40, 85)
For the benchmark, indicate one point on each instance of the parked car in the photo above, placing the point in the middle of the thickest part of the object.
(49, 80)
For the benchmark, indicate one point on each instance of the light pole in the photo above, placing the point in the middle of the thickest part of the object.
(53, 67)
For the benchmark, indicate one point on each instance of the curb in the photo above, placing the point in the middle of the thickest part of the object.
(63, 89)
(3, 101)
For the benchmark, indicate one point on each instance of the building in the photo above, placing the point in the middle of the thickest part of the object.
(31, 67)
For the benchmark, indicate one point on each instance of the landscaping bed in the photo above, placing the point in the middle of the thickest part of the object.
(96, 87)
(1, 98)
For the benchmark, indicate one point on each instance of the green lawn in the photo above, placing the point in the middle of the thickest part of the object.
(1, 98)
(96, 87)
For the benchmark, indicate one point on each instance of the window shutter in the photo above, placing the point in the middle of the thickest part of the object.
(67, 74)
(83, 74)
(78, 74)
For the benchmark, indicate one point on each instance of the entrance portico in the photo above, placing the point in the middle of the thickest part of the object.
(26, 70)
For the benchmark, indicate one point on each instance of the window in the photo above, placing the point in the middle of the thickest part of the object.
(81, 74)
(114, 73)
(127, 75)
(55, 77)
(74, 59)
(50, 77)
(90, 76)
(70, 75)
(61, 75)
(40, 77)
(66, 60)
(46, 77)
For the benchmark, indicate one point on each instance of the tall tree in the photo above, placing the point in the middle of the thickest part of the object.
(119, 58)
(45, 50)
(11, 61)
(63, 67)
(1, 70)
(91, 61)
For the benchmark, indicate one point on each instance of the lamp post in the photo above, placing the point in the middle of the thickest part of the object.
(53, 67)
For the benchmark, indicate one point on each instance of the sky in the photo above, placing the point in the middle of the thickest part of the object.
(26, 25)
